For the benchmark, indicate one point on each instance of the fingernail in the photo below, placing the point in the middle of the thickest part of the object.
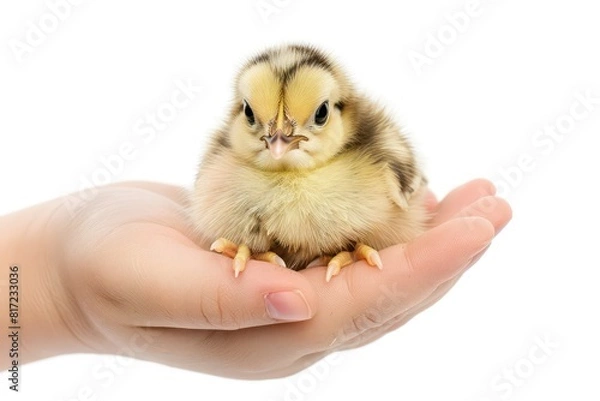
(287, 305)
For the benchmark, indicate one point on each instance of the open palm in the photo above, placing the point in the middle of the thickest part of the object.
(141, 284)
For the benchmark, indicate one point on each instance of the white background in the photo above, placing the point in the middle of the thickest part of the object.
(472, 111)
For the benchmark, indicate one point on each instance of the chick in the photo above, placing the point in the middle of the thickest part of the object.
(305, 170)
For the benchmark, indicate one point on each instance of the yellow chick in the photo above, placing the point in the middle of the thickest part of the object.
(306, 170)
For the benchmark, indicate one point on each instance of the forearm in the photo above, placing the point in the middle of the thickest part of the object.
(34, 303)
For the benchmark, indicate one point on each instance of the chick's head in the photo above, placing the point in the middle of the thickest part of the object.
(292, 109)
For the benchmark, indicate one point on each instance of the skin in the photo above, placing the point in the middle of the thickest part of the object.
(121, 276)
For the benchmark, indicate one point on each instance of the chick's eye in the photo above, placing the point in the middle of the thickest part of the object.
(249, 113)
(322, 114)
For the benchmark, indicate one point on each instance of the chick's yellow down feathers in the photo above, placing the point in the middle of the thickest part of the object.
(306, 168)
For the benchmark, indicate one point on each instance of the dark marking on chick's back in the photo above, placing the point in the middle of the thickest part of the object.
(261, 58)
(257, 227)
(372, 127)
(405, 174)
(364, 135)
(223, 141)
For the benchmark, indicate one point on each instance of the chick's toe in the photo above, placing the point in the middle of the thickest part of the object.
(240, 259)
(241, 255)
(370, 255)
(336, 264)
(225, 247)
(270, 257)
(343, 259)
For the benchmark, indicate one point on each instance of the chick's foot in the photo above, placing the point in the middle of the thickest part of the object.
(343, 259)
(241, 254)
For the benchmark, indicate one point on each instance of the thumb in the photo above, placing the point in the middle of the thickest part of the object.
(183, 286)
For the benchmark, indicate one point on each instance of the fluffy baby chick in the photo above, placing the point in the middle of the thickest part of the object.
(305, 170)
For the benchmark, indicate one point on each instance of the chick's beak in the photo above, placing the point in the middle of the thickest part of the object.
(279, 143)
(280, 139)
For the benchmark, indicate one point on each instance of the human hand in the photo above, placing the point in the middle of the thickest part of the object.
(362, 303)
(129, 279)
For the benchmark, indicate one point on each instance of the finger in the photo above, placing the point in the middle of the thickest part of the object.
(402, 319)
(442, 252)
(432, 260)
(496, 210)
(172, 283)
(431, 202)
(460, 198)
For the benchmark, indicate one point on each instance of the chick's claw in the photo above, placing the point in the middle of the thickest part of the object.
(225, 247)
(241, 254)
(370, 255)
(270, 257)
(241, 258)
(320, 261)
(336, 264)
(343, 259)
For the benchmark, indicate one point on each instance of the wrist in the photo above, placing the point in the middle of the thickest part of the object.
(30, 248)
